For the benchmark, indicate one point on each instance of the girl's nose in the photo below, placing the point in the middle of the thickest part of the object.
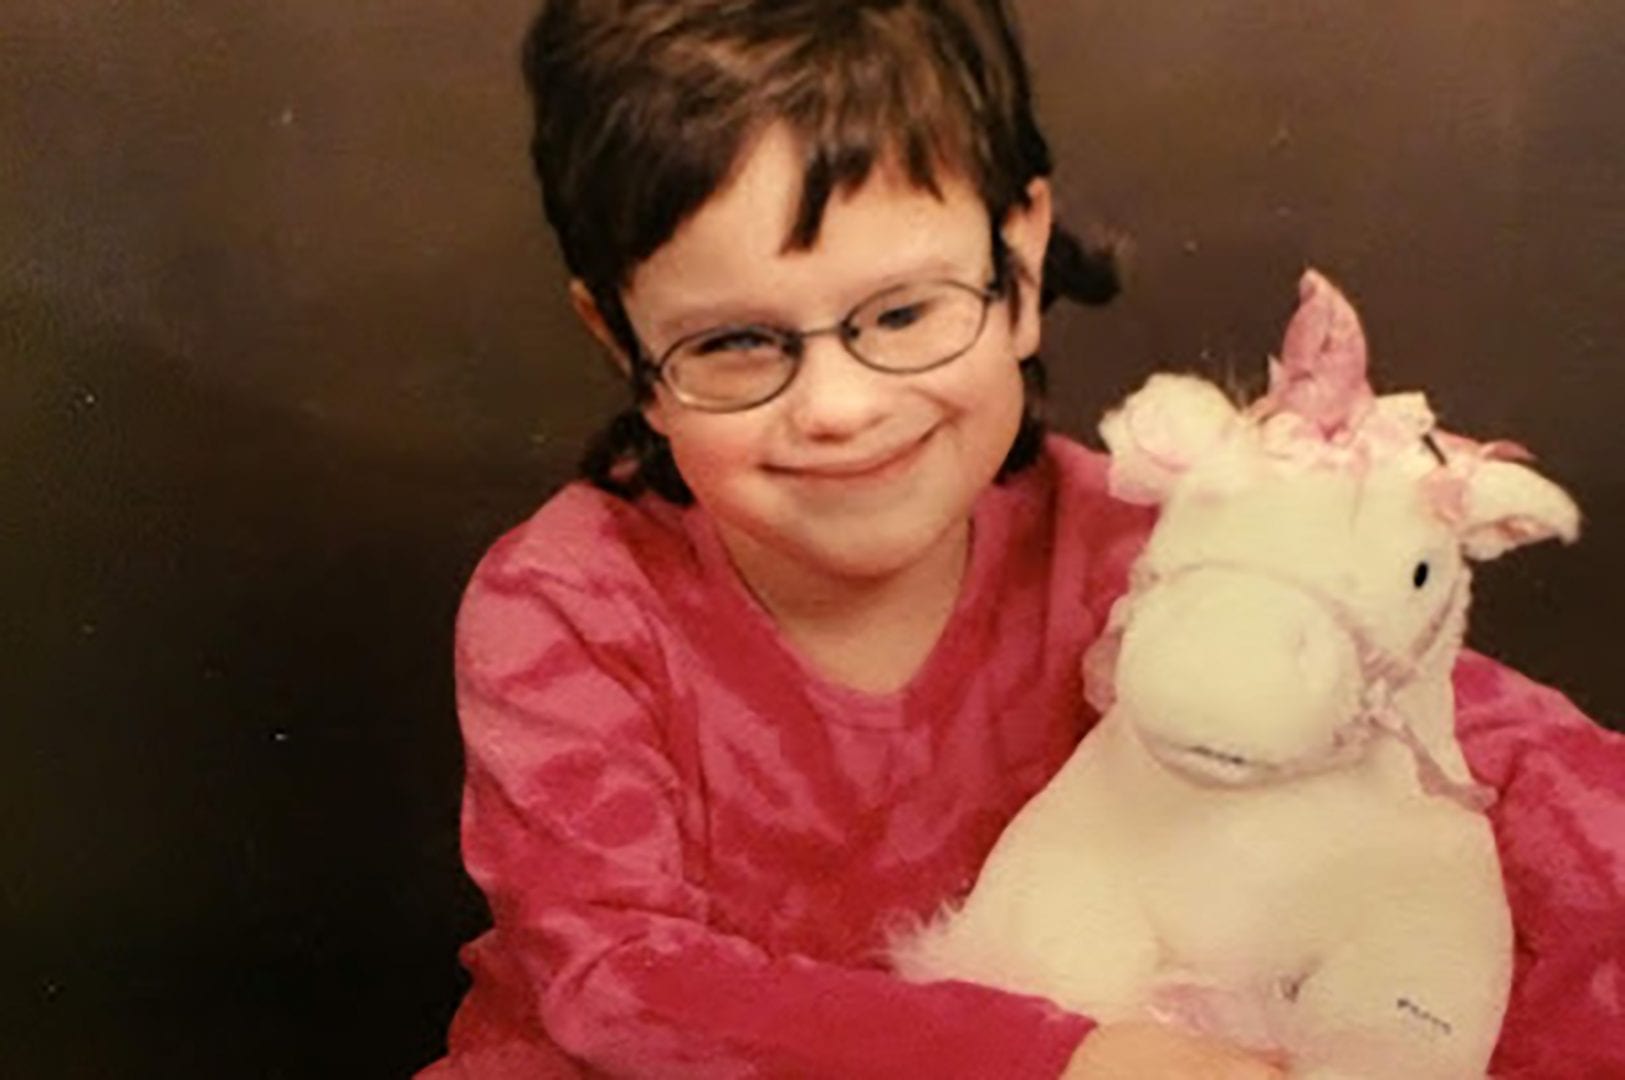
(834, 396)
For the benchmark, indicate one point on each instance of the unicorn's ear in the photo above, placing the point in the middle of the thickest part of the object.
(1161, 431)
(1508, 505)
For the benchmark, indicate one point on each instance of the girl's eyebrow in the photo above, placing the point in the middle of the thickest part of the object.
(754, 312)
(936, 268)
(699, 319)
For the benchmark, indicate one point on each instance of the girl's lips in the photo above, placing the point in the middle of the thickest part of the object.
(874, 466)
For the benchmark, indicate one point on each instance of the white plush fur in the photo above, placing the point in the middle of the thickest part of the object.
(1217, 852)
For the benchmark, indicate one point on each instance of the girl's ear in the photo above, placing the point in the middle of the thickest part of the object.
(587, 308)
(1026, 232)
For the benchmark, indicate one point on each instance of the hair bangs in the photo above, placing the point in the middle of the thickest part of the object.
(862, 93)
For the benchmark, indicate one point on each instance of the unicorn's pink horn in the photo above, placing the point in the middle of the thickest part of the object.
(1321, 375)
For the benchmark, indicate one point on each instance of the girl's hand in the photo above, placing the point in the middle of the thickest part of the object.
(1134, 1050)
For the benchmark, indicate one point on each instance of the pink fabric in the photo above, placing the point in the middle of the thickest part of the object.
(694, 846)
(1560, 826)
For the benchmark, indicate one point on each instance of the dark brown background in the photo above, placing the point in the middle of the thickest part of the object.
(284, 346)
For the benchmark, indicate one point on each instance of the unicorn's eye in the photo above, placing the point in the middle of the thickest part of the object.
(1419, 576)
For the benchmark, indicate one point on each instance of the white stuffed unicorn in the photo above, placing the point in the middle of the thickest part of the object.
(1272, 835)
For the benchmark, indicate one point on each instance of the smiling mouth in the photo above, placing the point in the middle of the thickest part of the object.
(877, 465)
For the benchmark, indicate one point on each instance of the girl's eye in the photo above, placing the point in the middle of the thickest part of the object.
(900, 318)
(1419, 576)
(734, 341)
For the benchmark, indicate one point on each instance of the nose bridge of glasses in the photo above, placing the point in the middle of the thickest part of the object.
(843, 362)
(843, 331)
(794, 342)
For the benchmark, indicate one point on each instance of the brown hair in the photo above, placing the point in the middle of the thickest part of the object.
(643, 108)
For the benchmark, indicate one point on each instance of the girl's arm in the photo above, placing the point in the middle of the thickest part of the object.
(1560, 827)
(571, 827)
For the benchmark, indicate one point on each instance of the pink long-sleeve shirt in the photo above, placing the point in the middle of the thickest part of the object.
(694, 845)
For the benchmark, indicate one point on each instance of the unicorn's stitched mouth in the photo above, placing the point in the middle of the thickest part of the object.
(1220, 756)
(1207, 764)
(1211, 764)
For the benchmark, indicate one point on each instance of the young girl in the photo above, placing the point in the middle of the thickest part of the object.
(771, 681)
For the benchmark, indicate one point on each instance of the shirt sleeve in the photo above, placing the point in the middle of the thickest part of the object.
(573, 828)
(1560, 828)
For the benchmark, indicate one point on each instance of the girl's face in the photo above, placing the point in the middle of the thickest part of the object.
(850, 473)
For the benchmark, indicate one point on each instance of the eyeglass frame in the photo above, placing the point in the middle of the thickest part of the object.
(793, 342)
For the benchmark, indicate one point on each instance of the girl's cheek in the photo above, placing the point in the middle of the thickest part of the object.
(708, 448)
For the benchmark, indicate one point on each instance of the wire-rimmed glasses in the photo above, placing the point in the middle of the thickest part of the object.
(902, 330)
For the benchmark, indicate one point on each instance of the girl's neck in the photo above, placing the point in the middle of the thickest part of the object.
(872, 633)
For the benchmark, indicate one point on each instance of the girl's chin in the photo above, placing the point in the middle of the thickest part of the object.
(858, 554)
